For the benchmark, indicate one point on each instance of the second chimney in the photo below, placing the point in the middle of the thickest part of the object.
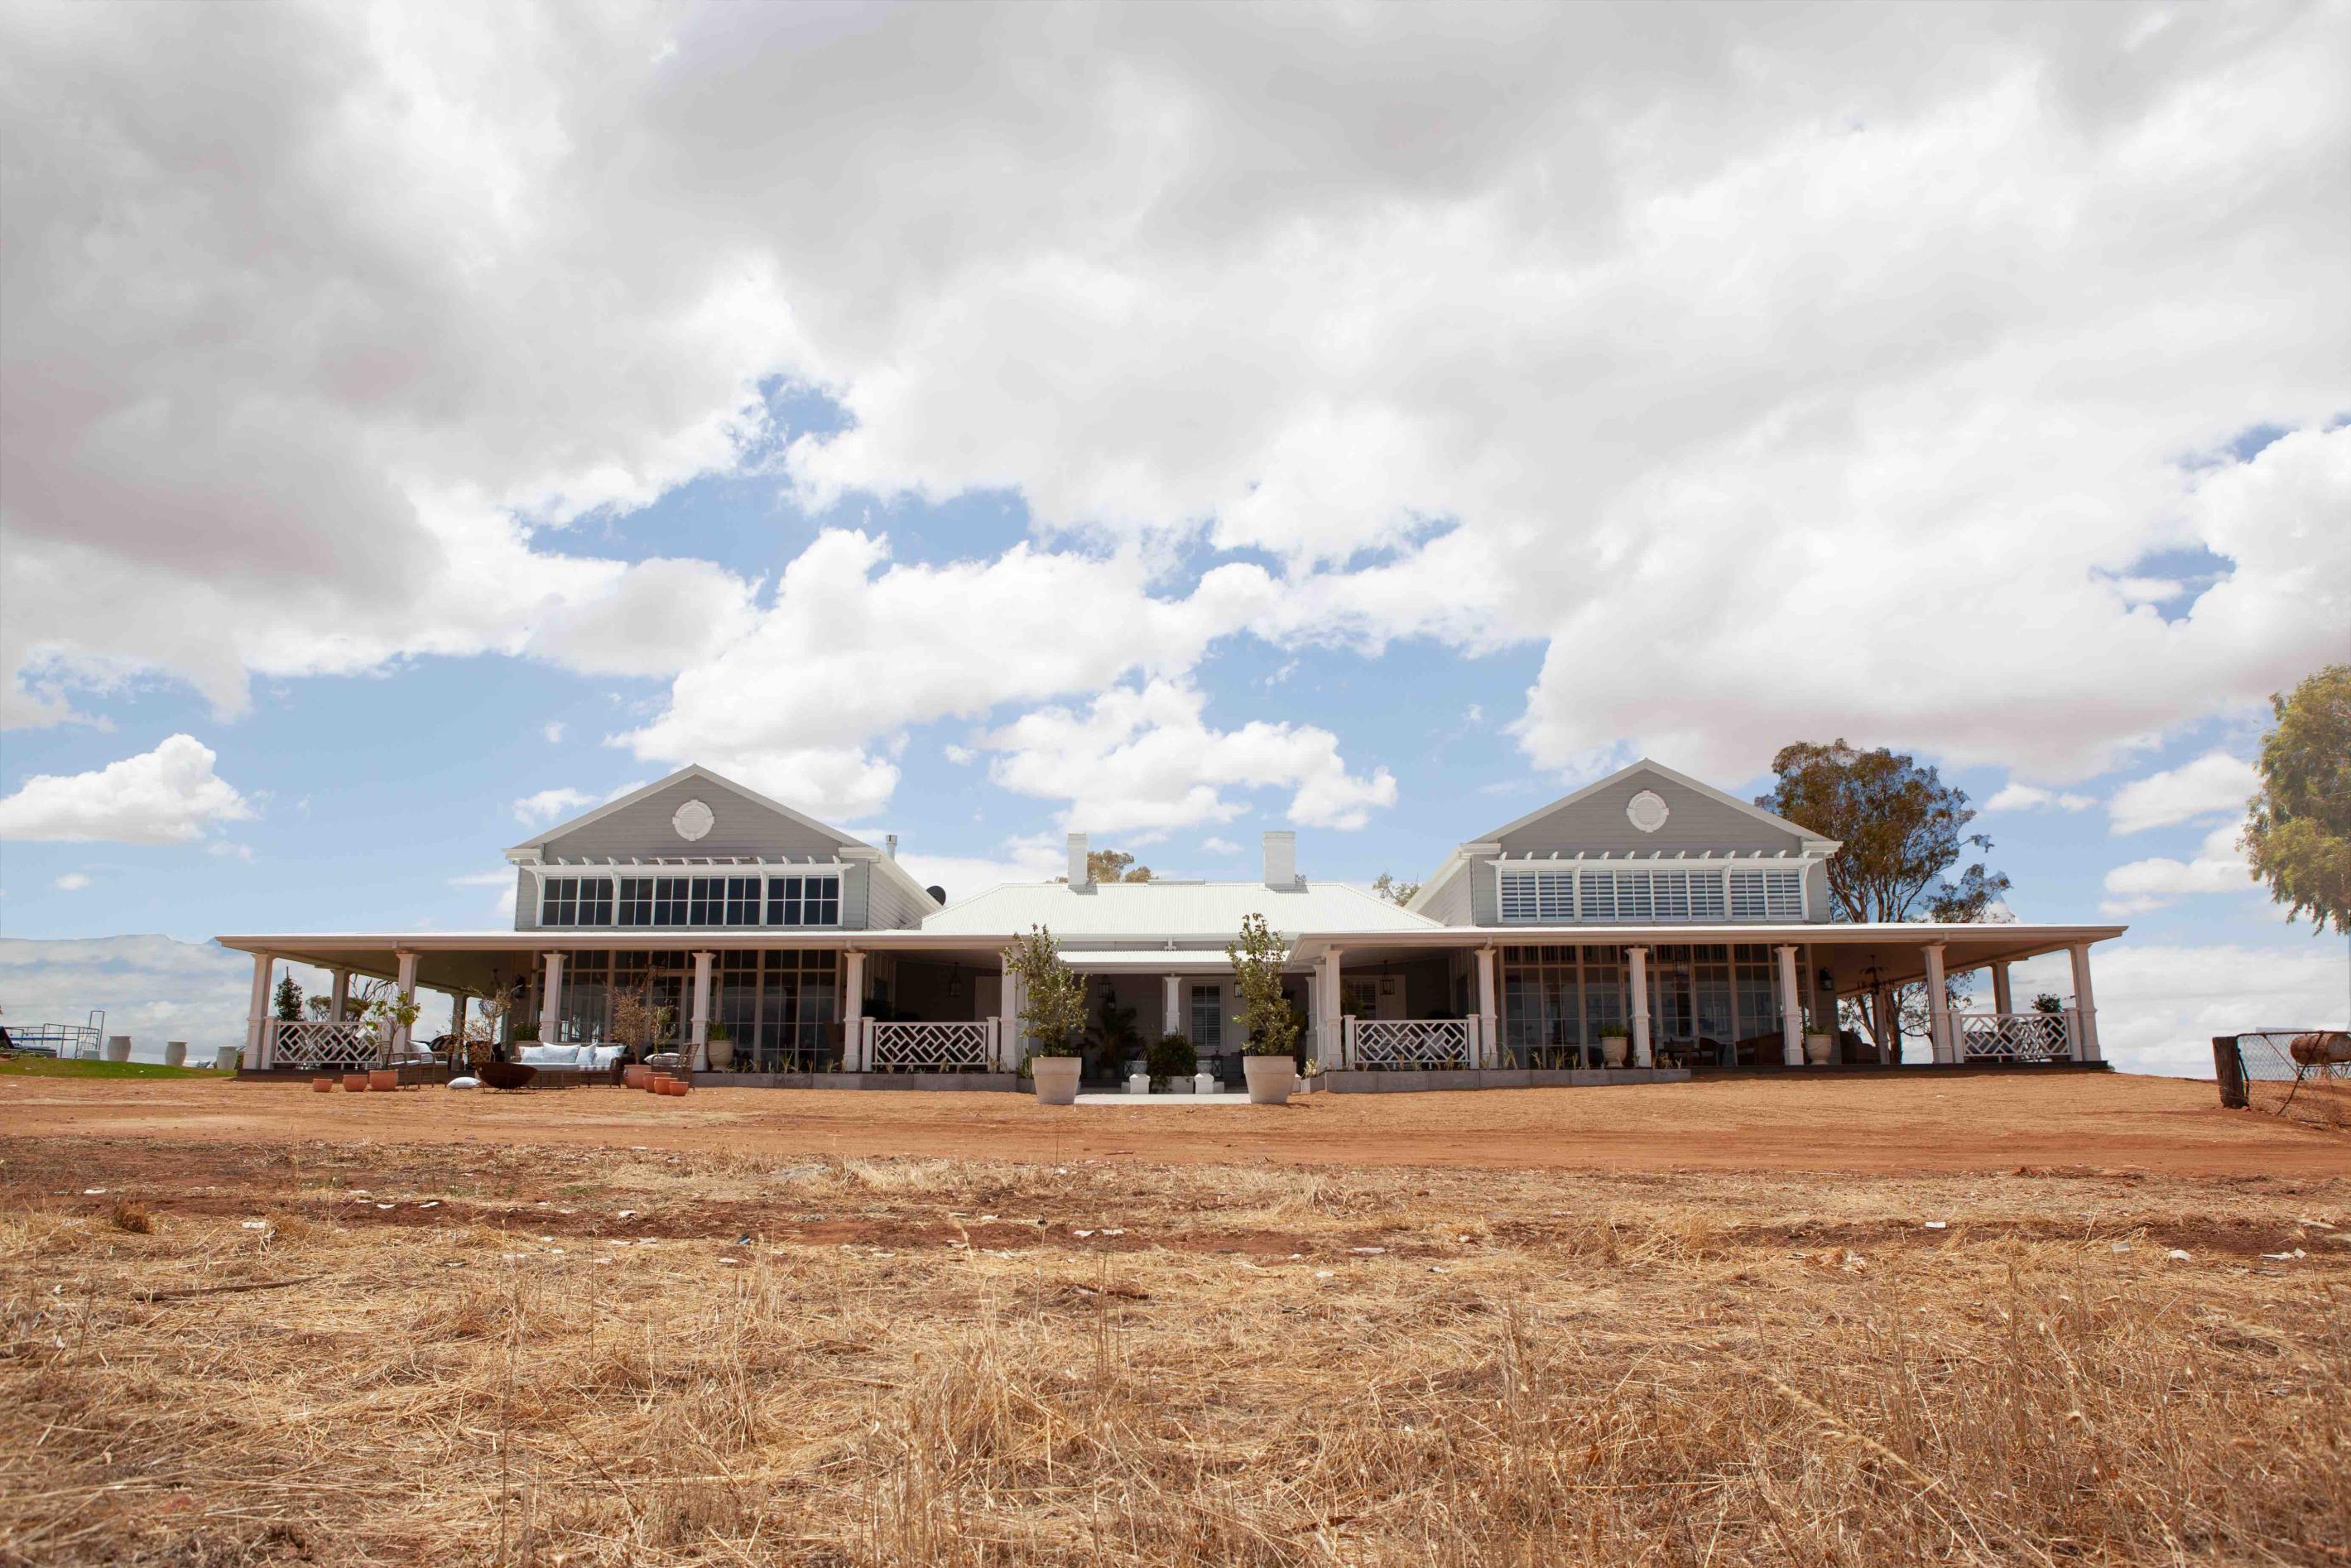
(1282, 860)
(1078, 873)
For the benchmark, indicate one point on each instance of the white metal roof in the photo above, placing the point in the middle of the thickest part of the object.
(1146, 910)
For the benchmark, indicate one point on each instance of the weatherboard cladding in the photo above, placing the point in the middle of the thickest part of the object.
(1598, 824)
(741, 827)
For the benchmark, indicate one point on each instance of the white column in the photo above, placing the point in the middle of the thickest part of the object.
(457, 1020)
(257, 1018)
(2085, 1007)
(852, 1010)
(406, 983)
(1889, 1024)
(1171, 1005)
(1489, 1016)
(1327, 1040)
(1791, 1009)
(339, 993)
(2001, 1002)
(698, 1053)
(550, 1001)
(1007, 1019)
(1639, 957)
(1939, 1005)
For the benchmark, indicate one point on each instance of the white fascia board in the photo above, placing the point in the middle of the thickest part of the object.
(1835, 934)
(695, 770)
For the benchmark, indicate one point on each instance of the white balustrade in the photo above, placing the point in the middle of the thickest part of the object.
(2015, 1037)
(314, 1044)
(1409, 1044)
(930, 1047)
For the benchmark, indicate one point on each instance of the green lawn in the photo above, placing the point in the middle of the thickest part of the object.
(49, 1067)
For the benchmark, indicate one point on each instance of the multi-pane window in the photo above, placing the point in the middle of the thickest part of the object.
(575, 901)
(1208, 1018)
(804, 901)
(741, 901)
(654, 900)
(1546, 896)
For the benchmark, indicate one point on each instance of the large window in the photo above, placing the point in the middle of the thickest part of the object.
(1544, 897)
(654, 900)
(1208, 1018)
(575, 901)
(804, 901)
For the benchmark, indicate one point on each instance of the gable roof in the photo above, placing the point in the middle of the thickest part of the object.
(696, 771)
(1646, 766)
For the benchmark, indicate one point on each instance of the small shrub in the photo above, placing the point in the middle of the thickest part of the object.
(133, 1216)
(1171, 1056)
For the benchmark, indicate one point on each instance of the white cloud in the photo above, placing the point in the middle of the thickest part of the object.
(1142, 762)
(167, 796)
(960, 756)
(505, 881)
(2214, 784)
(1215, 846)
(72, 882)
(2145, 885)
(1728, 311)
(2015, 797)
(1030, 858)
(2160, 1005)
(550, 805)
(552, 731)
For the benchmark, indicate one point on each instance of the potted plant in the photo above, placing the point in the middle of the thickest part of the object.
(1171, 1062)
(1269, 1062)
(1052, 1013)
(1616, 1043)
(721, 1046)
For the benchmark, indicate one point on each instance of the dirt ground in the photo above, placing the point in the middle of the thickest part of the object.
(1987, 1322)
(1881, 1125)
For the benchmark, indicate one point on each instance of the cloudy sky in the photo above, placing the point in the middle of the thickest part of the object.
(1170, 422)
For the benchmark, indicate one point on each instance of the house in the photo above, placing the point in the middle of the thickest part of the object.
(1644, 926)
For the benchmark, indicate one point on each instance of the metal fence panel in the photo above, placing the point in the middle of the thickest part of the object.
(2302, 1074)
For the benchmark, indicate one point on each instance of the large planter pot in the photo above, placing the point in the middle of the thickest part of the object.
(1056, 1078)
(1819, 1050)
(383, 1078)
(507, 1074)
(721, 1055)
(1272, 1079)
(322, 1085)
(1614, 1049)
(355, 1082)
(634, 1074)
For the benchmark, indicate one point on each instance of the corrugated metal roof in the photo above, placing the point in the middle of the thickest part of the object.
(1159, 909)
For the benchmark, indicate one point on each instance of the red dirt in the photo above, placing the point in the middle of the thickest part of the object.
(1893, 1125)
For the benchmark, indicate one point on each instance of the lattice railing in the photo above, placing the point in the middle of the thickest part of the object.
(2015, 1037)
(1408, 1043)
(929, 1046)
(314, 1043)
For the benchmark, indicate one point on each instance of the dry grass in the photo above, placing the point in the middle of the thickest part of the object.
(1240, 1365)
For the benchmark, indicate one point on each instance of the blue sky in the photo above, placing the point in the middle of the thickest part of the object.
(500, 413)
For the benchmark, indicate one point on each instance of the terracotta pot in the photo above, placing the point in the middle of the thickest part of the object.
(355, 1082)
(1056, 1078)
(634, 1074)
(1270, 1079)
(384, 1078)
(322, 1085)
(654, 1080)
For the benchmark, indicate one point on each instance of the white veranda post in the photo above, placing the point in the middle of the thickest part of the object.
(456, 1022)
(407, 987)
(1640, 962)
(1328, 1044)
(256, 1016)
(1489, 1027)
(699, 1054)
(852, 1010)
(339, 994)
(1171, 1005)
(1009, 1045)
(1791, 1010)
(550, 1001)
(1939, 1005)
(2002, 1002)
(2085, 1010)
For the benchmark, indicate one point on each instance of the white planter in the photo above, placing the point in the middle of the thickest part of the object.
(1270, 1079)
(226, 1057)
(1819, 1050)
(1138, 1083)
(1614, 1048)
(1056, 1078)
(1204, 1083)
(175, 1053)
(721, 1055)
